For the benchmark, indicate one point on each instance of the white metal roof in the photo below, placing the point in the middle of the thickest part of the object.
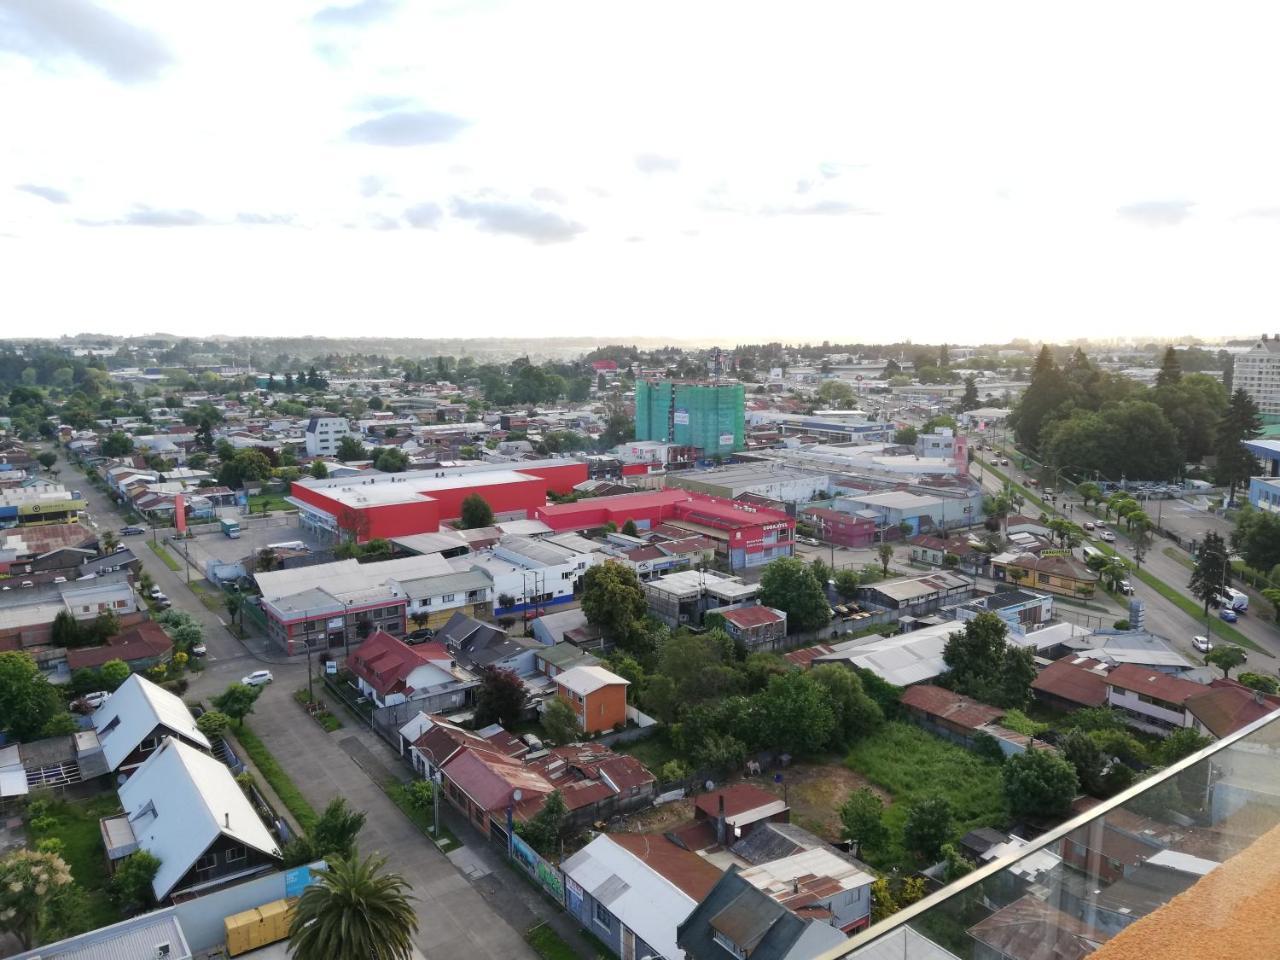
(133, 711)
(587, 680)
(647, 902)
(179, 801)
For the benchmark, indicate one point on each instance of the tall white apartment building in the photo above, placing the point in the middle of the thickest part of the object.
(323, 435)
(1258, 374)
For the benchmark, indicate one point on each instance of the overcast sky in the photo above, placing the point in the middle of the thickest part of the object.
(744, 171)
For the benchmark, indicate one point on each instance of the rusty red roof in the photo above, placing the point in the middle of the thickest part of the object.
(1076, 680)
(950, 706)
(747, 617)
(1162, 686)
(145, 641)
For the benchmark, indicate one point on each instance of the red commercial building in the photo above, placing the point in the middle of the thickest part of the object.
(746, 535)
(402, 504)
(842, 529)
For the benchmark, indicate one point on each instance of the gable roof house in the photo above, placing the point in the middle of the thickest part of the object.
(597, 697)
(437, 740)
(477, 645)
(735, 810)
(186, 808)
(391, 672)
(131, 725)
(631, 890)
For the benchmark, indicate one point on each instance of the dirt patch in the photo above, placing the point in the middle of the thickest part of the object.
(815, 793)
(656, 819)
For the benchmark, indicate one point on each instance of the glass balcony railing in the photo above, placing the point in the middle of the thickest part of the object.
(1185, 864)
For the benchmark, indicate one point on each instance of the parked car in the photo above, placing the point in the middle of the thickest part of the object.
(159, 597)
(419, 636)
(1108, 536)
(132, 531)
(1004, 462)
(1125, 587)
(199, 650)
(1202, 644)
(1088, 524)
(259, 678)
(1227, 614)
(156, 592)
(96, 699)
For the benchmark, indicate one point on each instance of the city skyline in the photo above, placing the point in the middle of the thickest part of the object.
(843, 173)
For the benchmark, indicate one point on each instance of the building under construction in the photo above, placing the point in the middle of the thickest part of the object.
(706, 415)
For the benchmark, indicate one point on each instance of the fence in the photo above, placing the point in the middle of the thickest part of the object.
(544, 873)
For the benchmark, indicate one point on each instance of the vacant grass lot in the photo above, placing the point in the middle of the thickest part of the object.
(163, 553)
(910, 763)
(76, 825)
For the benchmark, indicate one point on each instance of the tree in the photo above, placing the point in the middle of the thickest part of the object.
(31, 882)
(66, 630)
(629, 529)
(234, 602)
(1226, 657)
(930, 823)
(789, 585)
(476, 512)
(350, 449)
(794, 714)
(353, 911)
(1259, 681)
(391, 460)
(847, 583)
(1212, 569)
(983, 665)
(1170, 370)
(1239, 423)
(883, 904)
(957, 863)
(1039, 783)
(1257, 537)
(213, 724)
(905, 437)
(885, 552)
(108, 541)
(47, 459)
(131, 884)
(237, 701)
(1084, 755)
(863, 818)
(834, 393)
(1089, 492)
(1179, 744)
(969, 399)
(500, 698)
(114, 673)
(335, 830)
(545, 829)
(117, 444)
(560, 722)
(720, 754)
(27, 700)
(613, 600)
(856, 714)
(319, 470)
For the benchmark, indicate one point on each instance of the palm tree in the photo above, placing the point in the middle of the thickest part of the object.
(109, 542)
(234, 602)
(353, 911)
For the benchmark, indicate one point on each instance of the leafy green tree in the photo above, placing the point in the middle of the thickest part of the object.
(237, 701)
(27, 700)
(957, 863)
(560, 722)
(1082, 752)
(31, 883)
(969, 399)
(930, 823)
(1170, 370)
(319, 470)
(354, 911)
(1212, 570)
(117, 444)
(1257, 537)
(1239, 423)
(862, 817)
(1089, 492)
(1259, 681)
(1039, 784)
(795, 714)
(476, 512)
(847, 583)
(47, 459)
(906, 437)
(856, 714)
(500, 698)
(131, 884)
(983, 665)
(66, 630)
(1226, 657)
(1180, 743)
(613, 600)
(885, 552)
(629, 528)
(350, 449)
(789, 585)
(834, 394)
(234, 602)
(883, 903)
(114, 673)
(546, 828)
(720, 754)
(700, 666)
(213, 724)
(391, 460)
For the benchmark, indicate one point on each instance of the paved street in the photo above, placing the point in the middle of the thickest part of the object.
(480, 915)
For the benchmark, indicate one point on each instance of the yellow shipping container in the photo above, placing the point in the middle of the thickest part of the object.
(258, 927)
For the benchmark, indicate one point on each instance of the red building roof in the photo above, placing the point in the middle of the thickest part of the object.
(689, 872)
(744, 618)
(1227, 706)
(950, 706)
(144, 642)
(1075, 680)
(385, 662)
(738, 799)
(1146, 681)
(489, 778)
(805, 656)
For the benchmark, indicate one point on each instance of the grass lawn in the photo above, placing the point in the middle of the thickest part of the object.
(269, 501)
(163, 553)
(213, 602)
(910, 763)
(1173, 553)
(285, 788)
(653, 751)
(422, 819)
(76, 825)
(550, 945)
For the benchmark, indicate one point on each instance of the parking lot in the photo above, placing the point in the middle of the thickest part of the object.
(256, 533)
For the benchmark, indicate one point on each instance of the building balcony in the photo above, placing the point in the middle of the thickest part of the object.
(1183, 865)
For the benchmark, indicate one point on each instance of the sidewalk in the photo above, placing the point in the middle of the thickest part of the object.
(454, 919)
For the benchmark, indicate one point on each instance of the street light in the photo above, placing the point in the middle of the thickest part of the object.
(516, 796)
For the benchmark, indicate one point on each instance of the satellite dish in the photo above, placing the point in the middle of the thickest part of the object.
(709, 785)
(517, 795)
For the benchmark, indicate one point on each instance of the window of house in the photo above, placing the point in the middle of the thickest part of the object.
(207, 862)
(447, 598)
(149, 744)
(235, 854)
(603, 916)
(729, 945)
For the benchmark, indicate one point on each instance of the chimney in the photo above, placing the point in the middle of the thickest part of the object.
(226, 819)
(720, 831)
(795, 885)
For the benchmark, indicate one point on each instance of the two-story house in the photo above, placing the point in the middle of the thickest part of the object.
(597, 696)
(391, 672)
(132, 724)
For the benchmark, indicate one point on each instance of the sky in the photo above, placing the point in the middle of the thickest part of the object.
(743, 171)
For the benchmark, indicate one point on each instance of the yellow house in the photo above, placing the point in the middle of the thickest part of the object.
(1052, 573)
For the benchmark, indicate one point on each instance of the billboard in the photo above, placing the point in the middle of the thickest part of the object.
(682, 417)
(726, 439)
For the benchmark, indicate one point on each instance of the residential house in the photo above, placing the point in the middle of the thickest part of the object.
(391, 672)
(138, 938)
(735, 810)
(960, 719)
(598, 698)
(432, 600)
(1027, 928)
(1022, 610)
(1228, 706)
(1071, 683)
(741, 921)
(631, 890)
(139, 646)
(756, 627)
(934, 550)
(1060, 574)
(681, 599)
(1151, 701)
(554, 660)
(185, 808)
(132, 724)
(430, 741)
(478, 646)
(916, 596)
